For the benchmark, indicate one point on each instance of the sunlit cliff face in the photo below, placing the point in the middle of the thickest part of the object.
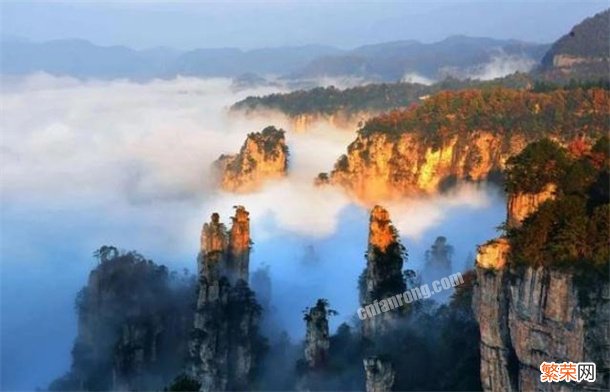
(263, 157)
(240, 230)
(381, 231)
(379, 167)
(520, 205)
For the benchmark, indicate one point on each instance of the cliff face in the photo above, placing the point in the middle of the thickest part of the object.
(380, 374)
(379, 166)
(224, 343)
(313, 369)
(317, 340)
(382, 276)
(263, 156)
(521, 205)
(461, 135)
(226, 253)
(531, 315)
(341, 120)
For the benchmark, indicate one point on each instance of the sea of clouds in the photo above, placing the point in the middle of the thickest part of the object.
(88, 163)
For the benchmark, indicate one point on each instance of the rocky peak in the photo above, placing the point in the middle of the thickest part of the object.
(240, 230)
(214, 235)
(134, 318)
(438, 260)
(380, 374)
(383, 275)
(493, 254)
(263, 156)
(381, 231)
(222, 349)
(226, 252)
(317, 340)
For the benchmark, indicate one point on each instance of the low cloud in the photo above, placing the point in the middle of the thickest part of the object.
(413, 77)
(92, 163)
(501, 64)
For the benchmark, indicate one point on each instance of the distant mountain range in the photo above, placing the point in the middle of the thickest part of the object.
(392, 61)
(458, 56)
(579, 59)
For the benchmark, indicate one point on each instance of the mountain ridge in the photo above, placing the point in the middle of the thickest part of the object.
(60, 57)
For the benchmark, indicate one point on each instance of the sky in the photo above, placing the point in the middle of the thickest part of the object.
(254, 24)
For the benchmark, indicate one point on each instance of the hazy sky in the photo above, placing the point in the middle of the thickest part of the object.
(249, 24)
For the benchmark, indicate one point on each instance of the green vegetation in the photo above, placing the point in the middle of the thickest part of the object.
(371, 98)
(539, 164)
(500, 111)
(323, 306)
(434, 347)
(543, 86)
(329, 100)
(271, 138)
(183, 383)
(572, 229)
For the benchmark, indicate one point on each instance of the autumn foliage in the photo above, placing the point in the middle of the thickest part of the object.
(564, 112)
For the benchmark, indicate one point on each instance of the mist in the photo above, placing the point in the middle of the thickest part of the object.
(500, 65)
(127, 164)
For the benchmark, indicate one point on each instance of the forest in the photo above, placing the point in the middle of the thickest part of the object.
(500, 111)
(571, 229)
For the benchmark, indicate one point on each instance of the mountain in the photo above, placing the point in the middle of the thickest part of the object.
(233, 62)
(80, 58)
(583, 53)
(459, 56)
(262, 157)
(351, 107)
(455, 56)
(83, 59)
(460, 135)
(541, 291)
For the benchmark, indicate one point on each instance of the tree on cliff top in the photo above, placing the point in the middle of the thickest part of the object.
(540, 163)
(572, 229)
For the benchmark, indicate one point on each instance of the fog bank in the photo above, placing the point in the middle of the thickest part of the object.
(127, 164)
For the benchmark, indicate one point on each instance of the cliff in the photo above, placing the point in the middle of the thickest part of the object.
(383, 275)
(225, 342)
(531, 315)
(522, 204)
(542, 291)
(460, 136)
(341, 119)
(314, 370)
(133, 324)
(379, 374)
(317, 340)
(263, 156)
